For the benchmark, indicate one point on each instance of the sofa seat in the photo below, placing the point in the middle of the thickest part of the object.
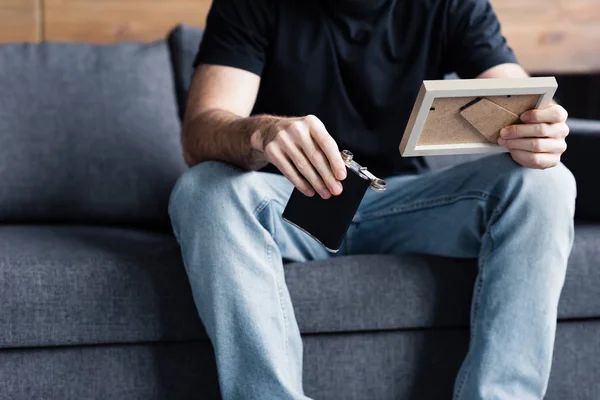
(77, 285)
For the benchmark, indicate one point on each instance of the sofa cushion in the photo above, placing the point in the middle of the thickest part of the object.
(68, 285)
(88, 133)
(379, 292)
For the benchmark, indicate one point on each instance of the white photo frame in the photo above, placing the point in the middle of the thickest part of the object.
(437, 127)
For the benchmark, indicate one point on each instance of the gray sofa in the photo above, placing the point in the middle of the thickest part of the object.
(94, 301)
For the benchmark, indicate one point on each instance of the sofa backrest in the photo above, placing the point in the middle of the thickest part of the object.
(184, 42)
(88, 133)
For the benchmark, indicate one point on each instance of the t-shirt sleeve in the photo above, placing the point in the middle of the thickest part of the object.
(475, 40)
(237, 35)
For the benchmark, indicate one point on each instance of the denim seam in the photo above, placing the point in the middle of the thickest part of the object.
(423, 204)
(259, 209)
(476, 301)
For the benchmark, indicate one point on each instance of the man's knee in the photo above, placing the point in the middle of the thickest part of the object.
(210, 189)
(542, 202)
(198, 184)
(552, 190)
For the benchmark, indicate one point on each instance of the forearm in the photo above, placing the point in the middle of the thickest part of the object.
(224, 136)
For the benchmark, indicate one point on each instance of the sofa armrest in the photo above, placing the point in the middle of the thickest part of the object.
(584, 126)
(582, 158)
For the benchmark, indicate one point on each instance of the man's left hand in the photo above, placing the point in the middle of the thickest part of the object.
(540, 141)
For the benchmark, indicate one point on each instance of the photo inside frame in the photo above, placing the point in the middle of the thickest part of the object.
(446, 125)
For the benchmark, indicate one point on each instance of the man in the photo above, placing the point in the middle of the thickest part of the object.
(285, 85)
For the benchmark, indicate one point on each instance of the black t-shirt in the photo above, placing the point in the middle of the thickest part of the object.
(356, 64)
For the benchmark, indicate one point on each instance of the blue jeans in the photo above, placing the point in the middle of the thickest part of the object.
(518, 222)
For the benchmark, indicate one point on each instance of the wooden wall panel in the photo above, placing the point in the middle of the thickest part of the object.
(557, 36)
(118, 20)
(553, 36)
(19, 21)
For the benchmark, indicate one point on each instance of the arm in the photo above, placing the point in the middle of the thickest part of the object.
(217, 126)
(477, 48)
(540, 141)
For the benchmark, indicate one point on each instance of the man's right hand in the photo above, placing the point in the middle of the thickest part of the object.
(218, 126)
(305, 153)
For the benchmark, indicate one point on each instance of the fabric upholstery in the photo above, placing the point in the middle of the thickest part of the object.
(581, 158)
(576, 363)
(169, 371)
(93, 285)
(386, 292)
(102, 297)
(578, 93)
(409, 365)
(421, 365)
(88, 133)
(184, 42)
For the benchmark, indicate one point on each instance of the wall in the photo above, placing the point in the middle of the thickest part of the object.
(99, 21)
(547, 35)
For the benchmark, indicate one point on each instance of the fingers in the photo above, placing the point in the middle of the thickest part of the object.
(535, 145)
(558, 130)
(304, 152)
(319, 161)
(307, 169)
(540, 142)
(276, 157)
(328, 146)
(551, 115)
(535, 160)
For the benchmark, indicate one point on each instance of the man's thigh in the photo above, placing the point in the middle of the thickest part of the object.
(442, 212)
(244, 207)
